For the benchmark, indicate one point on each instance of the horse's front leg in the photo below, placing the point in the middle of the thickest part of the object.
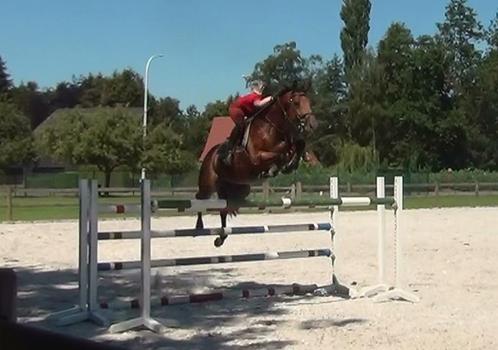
(296, 157)
(218, 242)
(266, 157)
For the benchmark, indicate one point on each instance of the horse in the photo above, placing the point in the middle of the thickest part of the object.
(275, 143)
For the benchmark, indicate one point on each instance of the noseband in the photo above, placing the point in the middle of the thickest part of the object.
(300, 118)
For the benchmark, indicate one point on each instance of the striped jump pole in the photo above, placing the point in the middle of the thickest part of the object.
(203, 260)
(192, 205)
(119, 208)
(222, 231)
(245, 293)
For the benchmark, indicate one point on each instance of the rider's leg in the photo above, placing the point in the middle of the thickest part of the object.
(226, 149)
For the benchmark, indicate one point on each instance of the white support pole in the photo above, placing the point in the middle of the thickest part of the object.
(397, 293)
(337, 287)
(381, 218)
(334, 194)
(381, 232)
(145, 258)
(83, 311)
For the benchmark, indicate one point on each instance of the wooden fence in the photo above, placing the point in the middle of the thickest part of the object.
(295, 191)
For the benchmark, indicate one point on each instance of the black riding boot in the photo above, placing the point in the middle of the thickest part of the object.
(227, 148)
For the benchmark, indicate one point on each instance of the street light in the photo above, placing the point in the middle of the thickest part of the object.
(145, 100)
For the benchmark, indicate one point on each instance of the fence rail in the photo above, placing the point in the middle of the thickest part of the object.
(296, 191)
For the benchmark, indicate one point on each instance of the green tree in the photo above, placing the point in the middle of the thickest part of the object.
(482, 103)
(5, 81)
(106, 138)
(15, 137)
(32, 102)
(215, 109)
(329, 108)
(284, 66)
(124, 88)
(92, 89)
(196, 131)
(492, 34)
(354, 35)
(461, 33)
(165, 152)
(166, 110)
(65, 95)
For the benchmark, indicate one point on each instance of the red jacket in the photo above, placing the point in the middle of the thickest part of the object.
(246, 102)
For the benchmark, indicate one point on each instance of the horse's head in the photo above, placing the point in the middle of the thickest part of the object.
(297, 107)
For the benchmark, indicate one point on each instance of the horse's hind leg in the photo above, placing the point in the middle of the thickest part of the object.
(230, 191)
(207, 183)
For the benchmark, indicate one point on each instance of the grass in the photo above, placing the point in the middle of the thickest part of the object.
(61, 208)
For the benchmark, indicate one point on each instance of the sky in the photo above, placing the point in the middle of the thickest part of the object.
(207, 45)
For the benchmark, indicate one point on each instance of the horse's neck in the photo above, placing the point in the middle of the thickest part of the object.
(276, 115)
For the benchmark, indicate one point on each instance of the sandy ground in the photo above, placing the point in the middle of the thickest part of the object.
(449, 262)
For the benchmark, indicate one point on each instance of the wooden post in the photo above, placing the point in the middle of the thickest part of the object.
(9, 203)
(299, 191)
(266, 190)
(349, 187)
(293, 192)
(436, 189)
(477, 189)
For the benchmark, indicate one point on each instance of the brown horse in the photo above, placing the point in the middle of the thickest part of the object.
(275, 144)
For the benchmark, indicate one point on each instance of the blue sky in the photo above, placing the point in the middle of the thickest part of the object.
(208, 45)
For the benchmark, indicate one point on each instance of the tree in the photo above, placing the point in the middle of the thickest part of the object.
(354, 35)
(33, 103)
(165, 152)
(283, 67)
(215, 109)
(65, 95)
(124, 88)
(329, 108)
(395, 55)
(166, 110)
(106, 138)
(461, 32)
(92, 88)
(196, 131)
(15, 137)
(492, 34)
(5, 81)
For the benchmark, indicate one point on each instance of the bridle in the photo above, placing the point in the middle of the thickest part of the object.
(300, 118)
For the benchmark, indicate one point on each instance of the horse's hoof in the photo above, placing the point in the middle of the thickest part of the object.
(218, 242)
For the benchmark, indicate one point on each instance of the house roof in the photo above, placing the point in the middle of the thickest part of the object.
(221, 127)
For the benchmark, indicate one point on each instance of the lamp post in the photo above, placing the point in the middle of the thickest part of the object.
(145, 101)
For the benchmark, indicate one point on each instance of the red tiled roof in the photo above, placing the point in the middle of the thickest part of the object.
(221, 128)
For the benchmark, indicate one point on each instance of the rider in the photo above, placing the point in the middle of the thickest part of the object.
(241, 108)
